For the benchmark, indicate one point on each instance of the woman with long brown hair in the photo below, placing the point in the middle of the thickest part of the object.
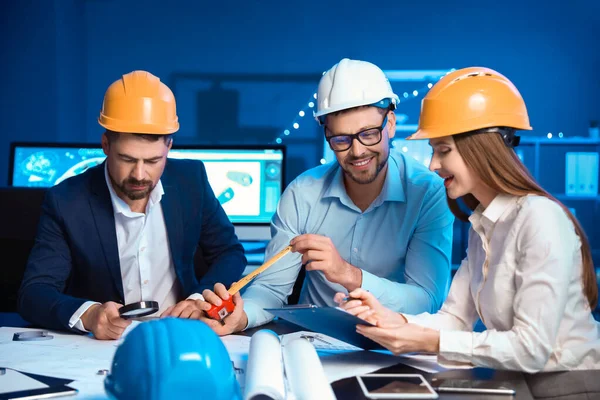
(528, 274)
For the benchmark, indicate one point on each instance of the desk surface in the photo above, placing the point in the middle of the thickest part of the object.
(349, 388)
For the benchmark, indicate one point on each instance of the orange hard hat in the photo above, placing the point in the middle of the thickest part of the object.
(470, 99)
(139, 103)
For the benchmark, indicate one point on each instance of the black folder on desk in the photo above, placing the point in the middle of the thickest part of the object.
(330, 321)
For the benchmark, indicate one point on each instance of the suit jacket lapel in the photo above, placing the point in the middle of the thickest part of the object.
(104, 218)
(171, 208)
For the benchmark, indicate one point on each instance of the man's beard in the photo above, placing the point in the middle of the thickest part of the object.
(134, 194)
(363, 178)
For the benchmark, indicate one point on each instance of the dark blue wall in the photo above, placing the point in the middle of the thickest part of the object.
(58, 57)
(28, 75)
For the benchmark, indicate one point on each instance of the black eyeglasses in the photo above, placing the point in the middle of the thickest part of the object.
(368, 137)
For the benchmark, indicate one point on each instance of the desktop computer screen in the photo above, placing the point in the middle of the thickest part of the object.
(47, 165)
(247, 180)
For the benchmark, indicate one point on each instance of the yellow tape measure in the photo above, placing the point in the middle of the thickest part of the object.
(236, 287)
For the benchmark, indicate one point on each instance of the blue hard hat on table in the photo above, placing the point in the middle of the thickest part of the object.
(172, 358)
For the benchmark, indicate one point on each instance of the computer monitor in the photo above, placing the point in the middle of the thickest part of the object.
(247, 180)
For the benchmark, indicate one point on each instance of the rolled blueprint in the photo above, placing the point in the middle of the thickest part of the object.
(305, 375)
(264, 372)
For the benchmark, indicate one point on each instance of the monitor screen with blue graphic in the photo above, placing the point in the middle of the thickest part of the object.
(247, 180)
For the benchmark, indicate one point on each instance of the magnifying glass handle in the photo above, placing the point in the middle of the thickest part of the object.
(220, 312)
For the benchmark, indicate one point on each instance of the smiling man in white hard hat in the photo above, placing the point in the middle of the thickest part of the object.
(370, 220)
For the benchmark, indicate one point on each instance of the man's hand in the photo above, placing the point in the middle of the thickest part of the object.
(187, 309)
(234, 322)
(319, 254)
(104, 321)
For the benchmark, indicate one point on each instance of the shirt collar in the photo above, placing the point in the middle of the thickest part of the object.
(392, 190)
(490, 215)
(336, 185)
(121, 207)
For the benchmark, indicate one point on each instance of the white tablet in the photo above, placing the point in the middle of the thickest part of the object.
(472, 386)
(396, 386)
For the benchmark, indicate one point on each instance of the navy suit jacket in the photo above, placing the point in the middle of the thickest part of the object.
(75, 257)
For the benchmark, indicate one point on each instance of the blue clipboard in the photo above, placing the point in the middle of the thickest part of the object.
(329, 321)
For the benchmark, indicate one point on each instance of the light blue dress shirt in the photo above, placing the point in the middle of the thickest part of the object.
(402, 242)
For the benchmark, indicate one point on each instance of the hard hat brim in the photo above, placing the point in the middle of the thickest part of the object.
(353, 104)
(148, 129)
(424, 134)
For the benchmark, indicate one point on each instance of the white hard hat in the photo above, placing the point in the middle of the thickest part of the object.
(353, 83)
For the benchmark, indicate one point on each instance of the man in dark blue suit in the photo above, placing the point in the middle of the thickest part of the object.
(127, 230)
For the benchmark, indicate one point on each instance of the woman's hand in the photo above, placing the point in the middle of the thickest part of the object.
(405, 338)
(391, 329)
(364, 305)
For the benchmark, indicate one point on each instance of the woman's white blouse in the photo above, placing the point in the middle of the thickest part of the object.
(522, 277)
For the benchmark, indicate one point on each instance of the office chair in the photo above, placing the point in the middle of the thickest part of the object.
(20, 210)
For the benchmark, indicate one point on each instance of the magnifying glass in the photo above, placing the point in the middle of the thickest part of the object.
(139, 309)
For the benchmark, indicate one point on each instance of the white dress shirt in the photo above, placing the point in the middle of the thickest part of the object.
(522, 277)
(147, 269)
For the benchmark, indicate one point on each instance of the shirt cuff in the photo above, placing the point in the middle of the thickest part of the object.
(75, 321)
(425, 320)
(372, 283)
(256, 315)
(456, 346)
(195, 296)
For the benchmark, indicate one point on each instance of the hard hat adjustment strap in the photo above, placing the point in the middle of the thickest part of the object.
(509, 138)
(508, 135)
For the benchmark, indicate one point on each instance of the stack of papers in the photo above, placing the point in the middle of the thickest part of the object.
(64, 356)
(80, 357)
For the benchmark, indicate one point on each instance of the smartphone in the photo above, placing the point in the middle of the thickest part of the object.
(44, 393)
(396, 386)
(472, 386)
